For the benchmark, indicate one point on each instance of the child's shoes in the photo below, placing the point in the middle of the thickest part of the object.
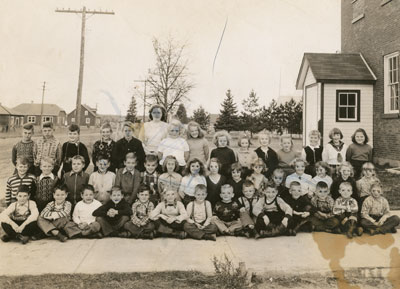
(23, 239)
(5, 238)
(211, 237)
(61, 237)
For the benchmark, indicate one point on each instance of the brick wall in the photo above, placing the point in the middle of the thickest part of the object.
(376, 35)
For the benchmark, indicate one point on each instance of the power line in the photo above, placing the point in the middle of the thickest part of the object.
(84, 11)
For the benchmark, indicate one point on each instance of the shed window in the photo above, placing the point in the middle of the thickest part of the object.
(347, 105)
(391, 81)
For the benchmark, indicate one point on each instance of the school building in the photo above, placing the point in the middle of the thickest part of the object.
(358, 87)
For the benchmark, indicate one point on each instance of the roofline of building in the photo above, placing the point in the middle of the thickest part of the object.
(369, 68)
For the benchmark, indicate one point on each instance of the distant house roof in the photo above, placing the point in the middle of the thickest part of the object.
(8, 111)
(335, 67)
(92, 111)
(35, 108)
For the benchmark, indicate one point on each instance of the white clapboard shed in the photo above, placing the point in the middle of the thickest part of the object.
(337, 92)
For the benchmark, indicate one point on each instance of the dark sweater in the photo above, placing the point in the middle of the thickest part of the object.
(122, 147)
(226, 157)
(123, 208)
(70, 150)
(75, 183)
(302, 204)
(227, 212)
(271, 160)
(335, 187)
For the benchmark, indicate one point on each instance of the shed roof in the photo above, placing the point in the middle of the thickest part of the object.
(335, 67)
(35, 108)
(8, 111)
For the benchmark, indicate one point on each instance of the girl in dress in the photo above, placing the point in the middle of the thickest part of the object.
(198, 144)
(223, 153)
(214, 181)
(170, 179)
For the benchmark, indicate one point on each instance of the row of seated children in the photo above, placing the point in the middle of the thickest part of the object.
(267, 215)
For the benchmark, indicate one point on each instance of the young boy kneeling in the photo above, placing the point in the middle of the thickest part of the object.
(140, 225)
(273, 214)
(55, 217)
(375, 213)
(113, 215)
(19, 219)
(198, 225)
(170, 216)
(227, 212)
(83, 213)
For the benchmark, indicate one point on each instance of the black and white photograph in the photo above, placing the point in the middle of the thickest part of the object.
(200, 144)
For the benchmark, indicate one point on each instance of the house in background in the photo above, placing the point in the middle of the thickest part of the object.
(32, 112)
(373, 29)
(89, 116)
(9, 118)
(337, 92)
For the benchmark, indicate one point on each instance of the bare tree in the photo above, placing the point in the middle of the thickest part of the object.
(169, 80)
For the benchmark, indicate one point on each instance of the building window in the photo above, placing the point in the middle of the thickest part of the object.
(72, 119)
(31, 119)
(87, 120)
(391, 82)
(348, 105)
(47, 119)
(358, 10)
(86, 112)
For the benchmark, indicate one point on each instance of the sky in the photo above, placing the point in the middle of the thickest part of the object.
(261, 49)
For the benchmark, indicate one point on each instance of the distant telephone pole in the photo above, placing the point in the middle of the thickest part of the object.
(41, 107)
(144, 98)
(84, 11)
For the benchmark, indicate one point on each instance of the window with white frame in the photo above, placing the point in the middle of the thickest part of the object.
(86, 112)
(87, 120)
(47, 119)
(391, 82)
(72, 119)
(348, 105)
(31, 119)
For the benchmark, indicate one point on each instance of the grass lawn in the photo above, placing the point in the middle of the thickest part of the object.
(174, 279)
(391, 187)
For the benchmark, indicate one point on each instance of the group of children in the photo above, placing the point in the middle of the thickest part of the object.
(176, 192)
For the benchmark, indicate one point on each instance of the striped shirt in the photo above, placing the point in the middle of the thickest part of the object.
(13, 184)
(54, 211)
(47, 148)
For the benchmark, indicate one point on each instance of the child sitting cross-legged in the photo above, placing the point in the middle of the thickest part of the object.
(247, 201)
(322, 219)
(375, 213)
(272, 212)
(346, 209)
(83, 213)
(170, 216)
(55, 217)
(140, 225)
(113, 215)
(227, 212)
(302, 209)
(198, 225)
(19, 219)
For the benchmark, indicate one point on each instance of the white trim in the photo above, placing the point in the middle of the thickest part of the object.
(369, 68)
(88, 120)
(386, 89)
(355, 118)
(359, 17)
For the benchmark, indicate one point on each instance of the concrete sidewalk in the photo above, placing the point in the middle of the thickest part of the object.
(304, 254)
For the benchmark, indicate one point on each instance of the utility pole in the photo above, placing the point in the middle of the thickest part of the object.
(144, 98)
(41, 107)
(84, 11)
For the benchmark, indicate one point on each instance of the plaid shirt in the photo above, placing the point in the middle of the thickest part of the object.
(350, 205)
(47, 148)
(324, 206)
(141, 212)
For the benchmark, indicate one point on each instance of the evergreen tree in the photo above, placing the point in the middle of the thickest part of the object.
(131, 114)
(181, 114)
(228, 118)
(202, 118)
(250, 118)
